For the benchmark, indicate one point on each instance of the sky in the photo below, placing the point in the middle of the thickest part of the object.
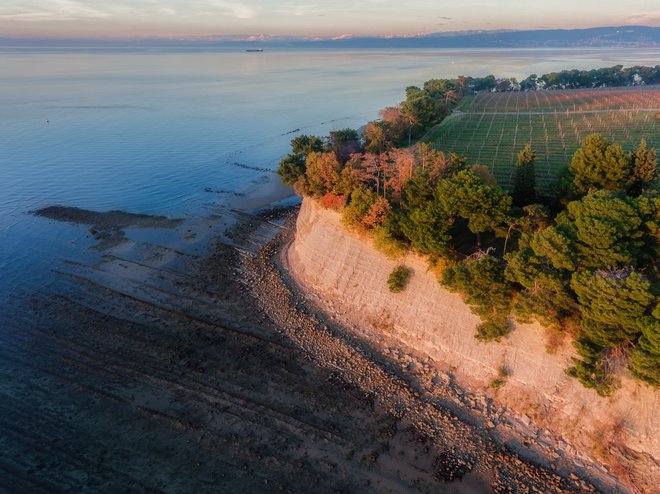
(307, 18)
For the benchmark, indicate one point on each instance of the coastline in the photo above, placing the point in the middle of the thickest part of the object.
(232, 274)
(345, 276)
(204, 359)
(402, 386)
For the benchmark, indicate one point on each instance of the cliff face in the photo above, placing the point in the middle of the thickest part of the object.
(351, 276)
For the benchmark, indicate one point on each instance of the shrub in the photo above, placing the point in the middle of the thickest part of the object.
(387, 243)
(492, 330)
(500, 380)
(398, 279)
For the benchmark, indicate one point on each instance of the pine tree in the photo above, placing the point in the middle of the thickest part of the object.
(615, 306)
(524, 185)
(645, 359)
(643, 163)
(599, 164)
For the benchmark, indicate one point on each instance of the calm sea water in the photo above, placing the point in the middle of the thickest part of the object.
(151, 132)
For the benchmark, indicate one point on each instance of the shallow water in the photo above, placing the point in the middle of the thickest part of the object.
(176, 133)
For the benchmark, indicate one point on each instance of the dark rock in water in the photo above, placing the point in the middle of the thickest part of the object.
(107, 227)
(105, 220)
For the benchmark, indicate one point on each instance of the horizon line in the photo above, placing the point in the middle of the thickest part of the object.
(264, 37)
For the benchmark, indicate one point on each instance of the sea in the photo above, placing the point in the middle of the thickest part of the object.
(180, 132)
(187, 134)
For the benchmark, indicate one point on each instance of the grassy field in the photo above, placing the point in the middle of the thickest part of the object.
(493, 127)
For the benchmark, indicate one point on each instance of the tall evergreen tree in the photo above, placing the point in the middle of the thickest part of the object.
(644, 359)
(464, 195)
(644, 164)
(524, 185)
(615, 306)
(599, 164)
(292, 167)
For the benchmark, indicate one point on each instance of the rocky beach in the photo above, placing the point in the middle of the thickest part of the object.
(179, 372)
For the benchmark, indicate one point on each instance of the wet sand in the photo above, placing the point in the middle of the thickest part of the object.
(160, 370)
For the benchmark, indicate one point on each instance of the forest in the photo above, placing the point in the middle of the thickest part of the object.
(579, 257)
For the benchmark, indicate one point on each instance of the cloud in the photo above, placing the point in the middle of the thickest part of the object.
(236, 9)
(644, 18)
(54, 10)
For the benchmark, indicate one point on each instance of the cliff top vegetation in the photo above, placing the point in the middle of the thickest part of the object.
(579, 257)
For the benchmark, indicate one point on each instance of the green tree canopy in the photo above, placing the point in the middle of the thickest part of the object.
(419, 109)
(599, 164)
(464, 195)
(524, 183)
(644, 168)
(359, 205)
(344, 143)
(615, 307)
(292, 167)
(613, 304)
(306, 144)
(607, 229)
(644, 359)
(482, 280)
(601, 230)
(427, 227)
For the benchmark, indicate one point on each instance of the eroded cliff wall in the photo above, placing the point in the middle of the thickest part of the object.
(351, 276)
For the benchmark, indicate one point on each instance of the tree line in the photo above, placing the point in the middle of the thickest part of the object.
(580, 258)
(615, 76)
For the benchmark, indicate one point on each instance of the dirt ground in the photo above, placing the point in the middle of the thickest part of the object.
(175, 373)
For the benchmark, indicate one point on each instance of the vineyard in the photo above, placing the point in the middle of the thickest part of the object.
(493, 127)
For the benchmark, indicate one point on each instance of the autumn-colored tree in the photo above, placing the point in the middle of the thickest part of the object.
(375, 171)
(437, 164)
(395, 123)
(401, 165)
(333, 201)
(376, 137)
(322, 175)
(487, 178)
(377, 213)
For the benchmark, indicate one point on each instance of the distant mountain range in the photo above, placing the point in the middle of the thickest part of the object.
(624, 36)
